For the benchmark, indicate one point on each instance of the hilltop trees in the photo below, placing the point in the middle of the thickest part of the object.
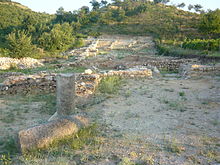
(210, 23)
(161, 1)
(58, 32)
(95, 4)
(181, 5)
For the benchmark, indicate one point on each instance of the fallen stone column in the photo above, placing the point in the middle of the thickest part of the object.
(42, 136)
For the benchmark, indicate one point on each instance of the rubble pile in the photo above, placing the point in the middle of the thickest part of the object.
(23, 63)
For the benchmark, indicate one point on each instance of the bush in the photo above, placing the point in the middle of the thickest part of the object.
(198, 44)
(60, 38)
(20, 45)
(110, 85)
(4, 52)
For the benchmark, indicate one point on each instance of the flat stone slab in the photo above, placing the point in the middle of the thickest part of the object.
(42, 136)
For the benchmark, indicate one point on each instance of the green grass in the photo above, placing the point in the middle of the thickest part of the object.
(165, 71)
(48, 68)
(182, 94)
(21, 104)
(8, 145)
(173, 146)
(110, 85)
(49, 99)
(8, 118)
(80, 147)
(174, 105)
(171, 50)
(126, 161)
(69, 149)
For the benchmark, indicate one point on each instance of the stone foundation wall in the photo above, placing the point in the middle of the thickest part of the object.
(170, 65)
(195, 70)
(86, 84)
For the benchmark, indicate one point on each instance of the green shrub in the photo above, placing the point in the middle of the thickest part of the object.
(110, 85)
(79, 42)
(20, 45)
(60, 38)
(4, 52)
(198, 44)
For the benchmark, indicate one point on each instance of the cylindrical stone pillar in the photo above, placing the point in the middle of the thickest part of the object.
(65, 94)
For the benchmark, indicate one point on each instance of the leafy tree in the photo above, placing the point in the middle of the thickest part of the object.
(95, 4)
(29, 24)
(84, 9)
(190, 7)
(210, 23)
(5, 0)
(60, 38)
(118, 14)
(20, 45)
(117, 2)
(104, 2)
(161, 1)
(181, 5)
(198, 7)
(60, 15)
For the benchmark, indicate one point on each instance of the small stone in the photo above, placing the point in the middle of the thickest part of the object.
(88, 71)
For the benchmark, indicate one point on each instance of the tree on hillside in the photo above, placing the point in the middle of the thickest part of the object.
(118, 15)
(20, 44)
(104, 2)
(95, 4)
(5, 0)
(161, 1)
(210, 23)
(190, 7)
(198, 8)
(64, 16)
(116, 2)
(29, 24)
(60, 14)
(181, 5)
(60, 38)
(84, 9)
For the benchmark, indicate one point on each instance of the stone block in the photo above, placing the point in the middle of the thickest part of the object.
(42, 136)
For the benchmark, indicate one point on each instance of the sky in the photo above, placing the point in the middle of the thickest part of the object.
(50, 6)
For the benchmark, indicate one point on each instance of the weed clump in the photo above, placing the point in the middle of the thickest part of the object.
(110, 85)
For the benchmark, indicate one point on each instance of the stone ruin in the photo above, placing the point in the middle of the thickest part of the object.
(195, 70)
(60, 125)
(105, 43)
(23, 63)
(86, 83)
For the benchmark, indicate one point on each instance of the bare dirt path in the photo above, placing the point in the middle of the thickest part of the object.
(167, 121)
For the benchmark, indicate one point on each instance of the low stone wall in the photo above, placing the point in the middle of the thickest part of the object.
(23, 63)
(86, 84)
(27, 83)
(169, 64)
(194, 70)
(132, 72)
(9, 74)
(130, 62)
